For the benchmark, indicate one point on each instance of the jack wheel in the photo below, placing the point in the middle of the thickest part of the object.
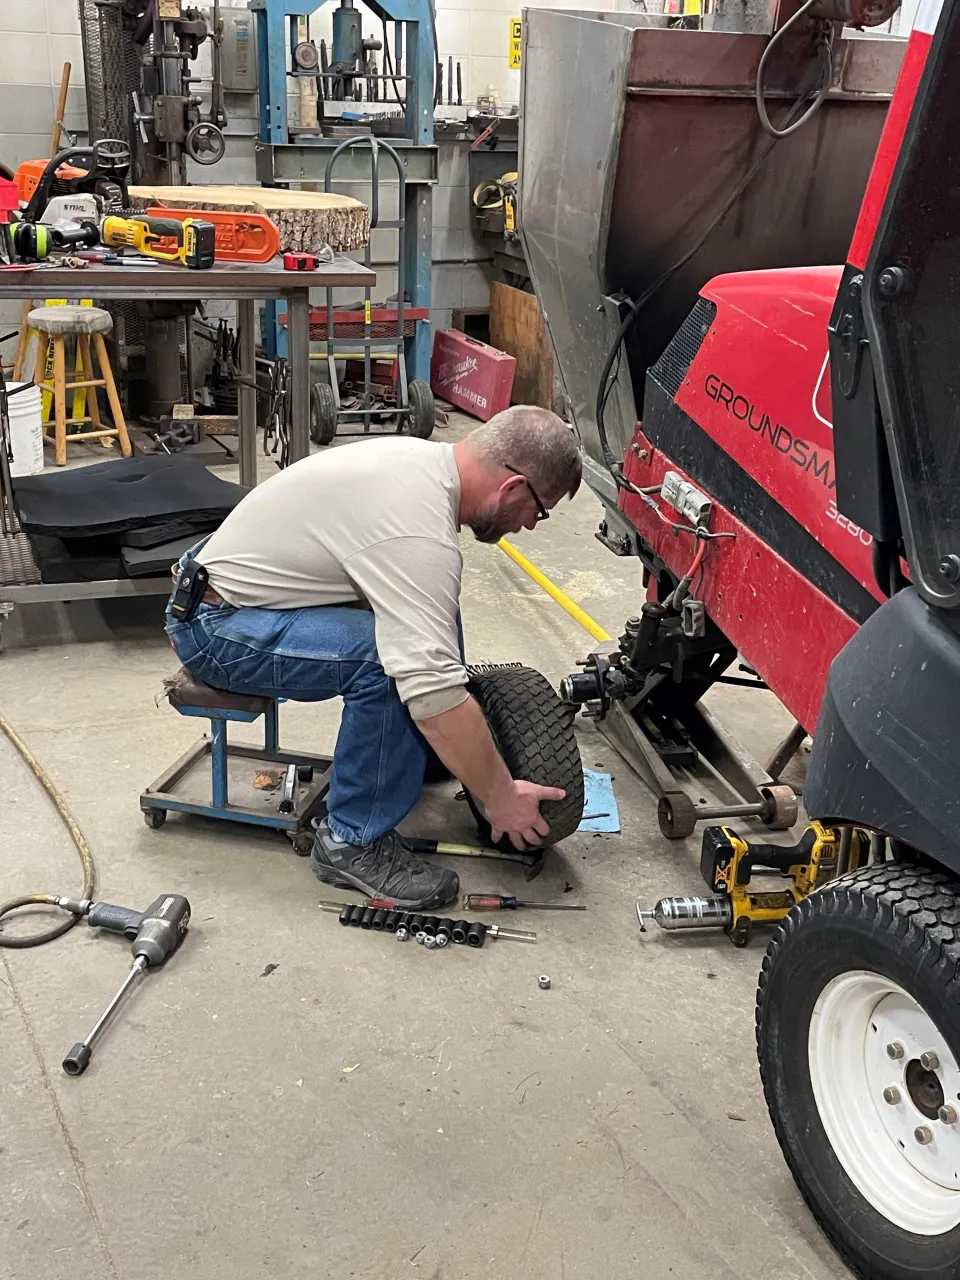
(323, 413)
(781, 810)
(422, 417)
(677, 815)
(155, 818)
(858, 1037)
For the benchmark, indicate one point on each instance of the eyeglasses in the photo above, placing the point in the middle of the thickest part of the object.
(542, 512)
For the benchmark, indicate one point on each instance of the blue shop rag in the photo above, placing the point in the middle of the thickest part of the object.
(600, 812)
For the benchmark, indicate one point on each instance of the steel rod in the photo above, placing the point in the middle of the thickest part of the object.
(139, 966)
(246, 395)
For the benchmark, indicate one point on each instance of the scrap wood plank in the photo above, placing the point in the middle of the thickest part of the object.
(307, 220)
(517, 327)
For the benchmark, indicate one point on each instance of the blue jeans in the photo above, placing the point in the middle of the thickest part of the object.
(310, 655)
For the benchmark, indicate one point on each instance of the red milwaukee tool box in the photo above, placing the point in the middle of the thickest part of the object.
(471, 375)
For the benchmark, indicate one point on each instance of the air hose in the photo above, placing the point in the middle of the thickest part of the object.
(76, 835)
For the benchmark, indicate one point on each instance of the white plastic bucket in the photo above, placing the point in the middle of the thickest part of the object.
(26, 432)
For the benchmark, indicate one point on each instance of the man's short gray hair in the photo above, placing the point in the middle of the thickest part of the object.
(534, 442)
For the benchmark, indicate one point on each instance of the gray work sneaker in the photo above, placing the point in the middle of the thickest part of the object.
(385, 868)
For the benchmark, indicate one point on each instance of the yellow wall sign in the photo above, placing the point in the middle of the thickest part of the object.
(516, 43)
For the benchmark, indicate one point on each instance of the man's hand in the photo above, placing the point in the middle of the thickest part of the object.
(516, 812)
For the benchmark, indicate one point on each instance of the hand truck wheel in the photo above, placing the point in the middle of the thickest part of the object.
(323, 413)
(422, 417)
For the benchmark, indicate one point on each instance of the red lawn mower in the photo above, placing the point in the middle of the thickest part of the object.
(780, 447)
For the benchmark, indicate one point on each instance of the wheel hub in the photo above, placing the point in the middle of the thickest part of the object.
(925, 1089)
(896, 1018)
(881, 1106)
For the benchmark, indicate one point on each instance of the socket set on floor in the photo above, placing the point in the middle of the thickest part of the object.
(430, 931)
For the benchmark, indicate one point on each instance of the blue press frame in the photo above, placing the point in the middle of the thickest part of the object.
(275, 27)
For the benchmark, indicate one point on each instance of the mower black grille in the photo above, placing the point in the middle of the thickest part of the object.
(671, 369)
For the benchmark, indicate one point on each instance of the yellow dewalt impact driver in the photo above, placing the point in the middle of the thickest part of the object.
(191, 241)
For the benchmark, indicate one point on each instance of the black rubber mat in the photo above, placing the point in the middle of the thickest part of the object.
(154, 562)
(124, 494)
(60, 562)
(154, 535)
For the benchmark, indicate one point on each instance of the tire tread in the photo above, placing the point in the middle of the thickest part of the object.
(534, 731)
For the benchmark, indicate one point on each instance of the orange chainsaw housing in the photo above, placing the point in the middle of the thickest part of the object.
(29, 173)
(240, 237)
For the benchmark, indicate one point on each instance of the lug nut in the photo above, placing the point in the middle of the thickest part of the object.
(924, 1135)
(544, 981)
(895, 1050)
(441, 939)
(421, 937)
(402, 934)
(891, 1095)
(429, 941)
(948, 1114)
(929, 1060)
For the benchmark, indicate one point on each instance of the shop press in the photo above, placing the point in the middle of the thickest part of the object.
(300, 153)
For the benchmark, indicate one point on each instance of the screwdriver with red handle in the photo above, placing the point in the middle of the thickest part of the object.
(500, 902)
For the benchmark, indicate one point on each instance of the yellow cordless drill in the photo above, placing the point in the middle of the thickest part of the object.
(193, 240)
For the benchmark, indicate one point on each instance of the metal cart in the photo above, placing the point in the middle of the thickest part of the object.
(412, 405)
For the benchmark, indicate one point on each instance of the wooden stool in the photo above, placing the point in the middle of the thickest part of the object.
(83, 323)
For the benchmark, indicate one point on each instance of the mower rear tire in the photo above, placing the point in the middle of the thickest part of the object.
(858, 1037)
(533, 730)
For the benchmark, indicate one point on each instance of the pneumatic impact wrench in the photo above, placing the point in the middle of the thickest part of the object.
(154, 935)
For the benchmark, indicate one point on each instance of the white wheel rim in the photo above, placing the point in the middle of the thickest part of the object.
(914, 1185)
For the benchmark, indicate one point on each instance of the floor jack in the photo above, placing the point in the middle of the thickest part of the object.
(728, 864)
(644, 693)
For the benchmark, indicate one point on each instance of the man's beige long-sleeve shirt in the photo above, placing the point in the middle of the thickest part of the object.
(374, 523)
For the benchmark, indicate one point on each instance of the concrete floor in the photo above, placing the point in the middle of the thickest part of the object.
(367, 1109)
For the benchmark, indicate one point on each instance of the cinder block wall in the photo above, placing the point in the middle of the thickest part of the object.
(37, 36)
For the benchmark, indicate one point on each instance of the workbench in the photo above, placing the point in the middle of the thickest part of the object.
(243, 283)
